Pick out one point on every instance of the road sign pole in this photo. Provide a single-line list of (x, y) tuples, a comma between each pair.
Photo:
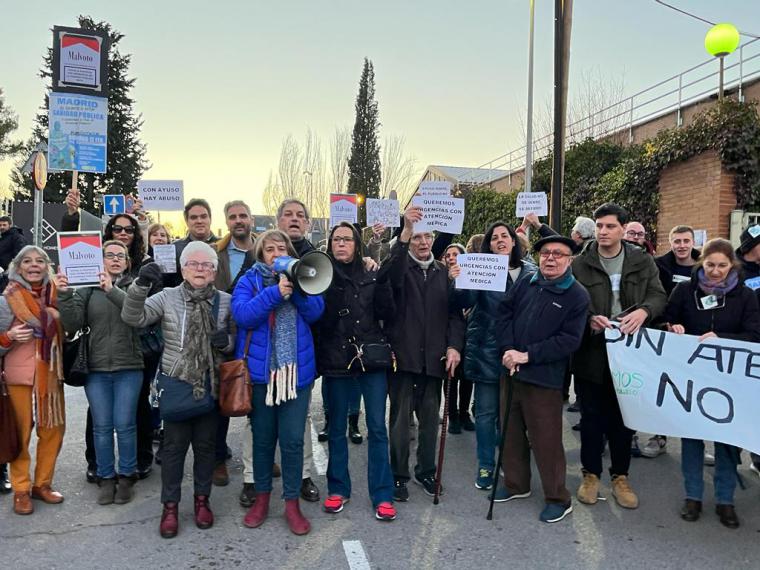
[(39, 175)]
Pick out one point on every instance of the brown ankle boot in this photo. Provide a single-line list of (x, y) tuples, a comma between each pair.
[(22, 503)]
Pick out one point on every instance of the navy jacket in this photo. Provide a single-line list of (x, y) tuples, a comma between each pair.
[(547, 322)]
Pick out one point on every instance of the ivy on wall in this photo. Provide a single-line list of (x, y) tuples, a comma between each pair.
[(602, 171)]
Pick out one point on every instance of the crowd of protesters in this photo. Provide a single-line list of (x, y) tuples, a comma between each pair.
[(387, 331)]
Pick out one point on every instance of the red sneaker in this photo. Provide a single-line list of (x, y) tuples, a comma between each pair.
[(296, 521), (385, 512), (169, 521), (334, 503), (204, 518), (258, 512)]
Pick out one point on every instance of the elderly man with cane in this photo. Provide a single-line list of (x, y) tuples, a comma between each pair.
[(541, 323)]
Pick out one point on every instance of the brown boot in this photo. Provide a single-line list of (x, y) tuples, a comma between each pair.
[(623, 493), (221, 477), (47, 495), (588, 492), (22, 503)]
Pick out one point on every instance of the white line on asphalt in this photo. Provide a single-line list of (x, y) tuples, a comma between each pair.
[(357, 558), (320, 457)]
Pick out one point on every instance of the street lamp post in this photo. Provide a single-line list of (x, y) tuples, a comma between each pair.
[(720, 41)]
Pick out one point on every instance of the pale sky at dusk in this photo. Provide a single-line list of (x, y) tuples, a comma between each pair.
[(221, 84)]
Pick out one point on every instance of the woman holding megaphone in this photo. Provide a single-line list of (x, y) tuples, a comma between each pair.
[(351, 346), (281, 366)]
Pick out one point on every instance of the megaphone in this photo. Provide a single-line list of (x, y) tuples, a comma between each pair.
[(312, 273)]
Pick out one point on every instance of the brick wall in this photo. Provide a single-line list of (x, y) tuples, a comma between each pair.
[(698, 193)]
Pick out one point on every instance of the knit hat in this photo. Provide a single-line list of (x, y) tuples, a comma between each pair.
[(749, 238)]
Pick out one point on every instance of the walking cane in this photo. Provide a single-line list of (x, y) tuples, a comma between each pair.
[(442, 444), (510, 387)]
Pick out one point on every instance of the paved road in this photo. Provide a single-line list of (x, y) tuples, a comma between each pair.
[(454, 534)]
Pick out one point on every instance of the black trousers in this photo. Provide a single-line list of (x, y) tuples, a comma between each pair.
[(200, 432), (222, 427), (600, 416), (460, 395)]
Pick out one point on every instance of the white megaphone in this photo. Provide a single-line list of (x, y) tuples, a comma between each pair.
[(312, 273)]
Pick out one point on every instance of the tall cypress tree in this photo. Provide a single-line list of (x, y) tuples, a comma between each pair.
[(126, 160), (364, 162)]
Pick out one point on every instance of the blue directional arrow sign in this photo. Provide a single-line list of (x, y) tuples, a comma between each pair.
[(114, 204)]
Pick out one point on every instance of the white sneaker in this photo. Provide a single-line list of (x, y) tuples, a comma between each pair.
[(656, 445)]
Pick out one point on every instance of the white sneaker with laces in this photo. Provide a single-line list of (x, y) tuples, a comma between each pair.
[(657, 445)]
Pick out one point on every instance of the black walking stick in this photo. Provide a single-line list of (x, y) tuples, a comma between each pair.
[(442, 445), (510, 387)]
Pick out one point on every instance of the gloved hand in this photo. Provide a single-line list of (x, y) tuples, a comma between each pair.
[(220, 339), (150, 274)]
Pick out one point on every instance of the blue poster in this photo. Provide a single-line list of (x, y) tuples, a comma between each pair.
[(78, 132)]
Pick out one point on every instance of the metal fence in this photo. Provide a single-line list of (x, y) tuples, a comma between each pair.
[(669, 96)]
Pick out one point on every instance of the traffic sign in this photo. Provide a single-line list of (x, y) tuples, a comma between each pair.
[(114, 204)]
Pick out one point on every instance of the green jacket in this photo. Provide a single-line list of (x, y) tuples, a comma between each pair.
[(639, 285), (114, 345)]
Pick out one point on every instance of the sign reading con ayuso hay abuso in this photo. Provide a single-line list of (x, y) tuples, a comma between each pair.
[(673, 384), (78, 132), (483, 271), (161, 194), (440, 213)]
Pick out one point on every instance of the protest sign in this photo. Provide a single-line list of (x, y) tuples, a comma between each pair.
[(483, 271), (161, 194), (385, 212), (78, 132), (534, 202), (673, 384), (700, 238), (166, 257), (80, 257), (342, 209), (432, 188), (80, 61), (444, 214)]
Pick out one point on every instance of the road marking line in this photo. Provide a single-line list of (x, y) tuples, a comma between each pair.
[(320, 457), (357, 558)]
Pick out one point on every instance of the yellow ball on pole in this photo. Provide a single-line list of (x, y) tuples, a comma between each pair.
[(722, 39)]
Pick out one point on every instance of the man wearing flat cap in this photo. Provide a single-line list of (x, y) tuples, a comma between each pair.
[(541, 323)]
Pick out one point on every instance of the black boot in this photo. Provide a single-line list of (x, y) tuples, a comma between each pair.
[(5, 484), (322, 435), (353, 429)]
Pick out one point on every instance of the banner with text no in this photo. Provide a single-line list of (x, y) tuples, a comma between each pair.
[(674, 385)]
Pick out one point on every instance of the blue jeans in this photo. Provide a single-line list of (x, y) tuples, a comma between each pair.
[(284, 423), (486, 423), (113, 404), (340, 392), (724, 477), (354, 396)]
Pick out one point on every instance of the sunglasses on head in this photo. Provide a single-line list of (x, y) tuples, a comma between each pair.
[(123, 229)]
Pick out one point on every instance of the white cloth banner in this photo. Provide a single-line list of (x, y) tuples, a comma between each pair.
[(673, 384), (483, 271), (440, 213)]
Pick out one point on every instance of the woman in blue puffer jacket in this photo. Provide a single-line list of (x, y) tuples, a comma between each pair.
[(274, 319), (482, 361)]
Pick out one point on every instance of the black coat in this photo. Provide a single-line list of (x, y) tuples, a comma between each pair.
[(11, 242), (355, 304), (666, 264), (424, 325), (546, 321), (739, 319)]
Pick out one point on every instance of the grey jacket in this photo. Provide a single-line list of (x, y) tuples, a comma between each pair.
[(114, 345), (170, 306)]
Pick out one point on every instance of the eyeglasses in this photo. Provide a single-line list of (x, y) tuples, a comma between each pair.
[(202, 265), (341, 239), (119, 256), (123, 229), (546, 254), (636, 234)]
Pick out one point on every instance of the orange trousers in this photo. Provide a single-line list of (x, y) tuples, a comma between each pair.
[(49, 441)]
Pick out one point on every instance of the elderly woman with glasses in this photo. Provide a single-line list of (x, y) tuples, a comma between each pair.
[(195, 320), (115, 364)]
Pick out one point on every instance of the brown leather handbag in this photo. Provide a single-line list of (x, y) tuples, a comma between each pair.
[(10, 445), (235, 390)]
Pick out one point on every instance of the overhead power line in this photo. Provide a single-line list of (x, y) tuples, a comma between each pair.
[(690, 15)]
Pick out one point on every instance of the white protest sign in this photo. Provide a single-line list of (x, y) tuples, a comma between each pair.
[(700, 238), (385, 212), (673, 384), (161, 194), (444, 214), (483, 271), (343, 209), (528, 202), (166, 257), (80, 257), (431, 188)]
